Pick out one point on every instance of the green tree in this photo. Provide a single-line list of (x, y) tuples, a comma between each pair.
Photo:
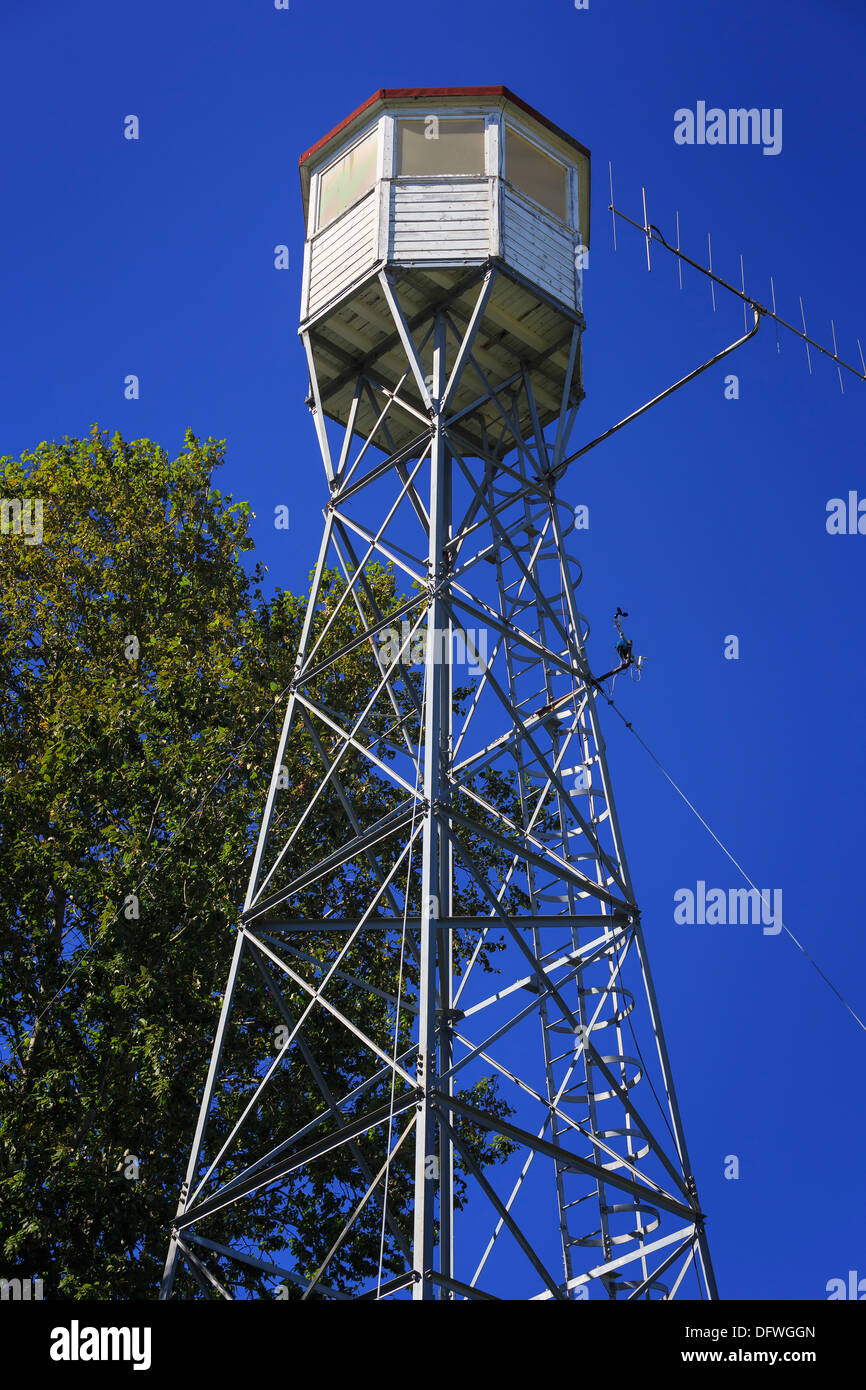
[(141, 673)]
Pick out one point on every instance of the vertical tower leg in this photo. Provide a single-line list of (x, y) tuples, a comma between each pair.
[(426, 1146)]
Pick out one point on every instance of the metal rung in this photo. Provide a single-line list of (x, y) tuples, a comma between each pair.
[(577, 1201)]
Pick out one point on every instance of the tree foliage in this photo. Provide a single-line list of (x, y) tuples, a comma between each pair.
[(141, 690)]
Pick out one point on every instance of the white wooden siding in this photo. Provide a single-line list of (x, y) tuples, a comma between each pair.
[(433, 221), (342, 252), (538, 247), (436, 221)]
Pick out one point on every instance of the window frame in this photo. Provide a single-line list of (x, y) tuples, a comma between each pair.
[(572, 210), (373, 129), (472, 114), (496, 124)]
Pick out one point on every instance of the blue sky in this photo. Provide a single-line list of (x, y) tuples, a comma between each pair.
[(706, 519)]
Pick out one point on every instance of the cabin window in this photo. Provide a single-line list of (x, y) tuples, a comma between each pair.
[(440, 146), (350, 176), (534, 172)]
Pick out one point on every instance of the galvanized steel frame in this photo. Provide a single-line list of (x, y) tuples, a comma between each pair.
[(540, 634)]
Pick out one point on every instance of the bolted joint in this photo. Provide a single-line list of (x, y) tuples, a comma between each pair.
[(450, 1015)]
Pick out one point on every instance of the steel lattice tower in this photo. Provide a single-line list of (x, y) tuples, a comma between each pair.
[(515, 1045)]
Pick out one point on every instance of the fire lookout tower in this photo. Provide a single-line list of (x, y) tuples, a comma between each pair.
[(495, 1112)]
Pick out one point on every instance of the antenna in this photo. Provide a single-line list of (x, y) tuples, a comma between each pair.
[(712, 286), (808, 353), (836, 355), (652, 233), (612, 217), (743, 283)]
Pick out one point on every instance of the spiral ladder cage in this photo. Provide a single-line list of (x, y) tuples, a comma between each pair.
[(537, 563)]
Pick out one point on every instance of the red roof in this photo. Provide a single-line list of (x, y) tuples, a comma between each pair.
[(416, 93)]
